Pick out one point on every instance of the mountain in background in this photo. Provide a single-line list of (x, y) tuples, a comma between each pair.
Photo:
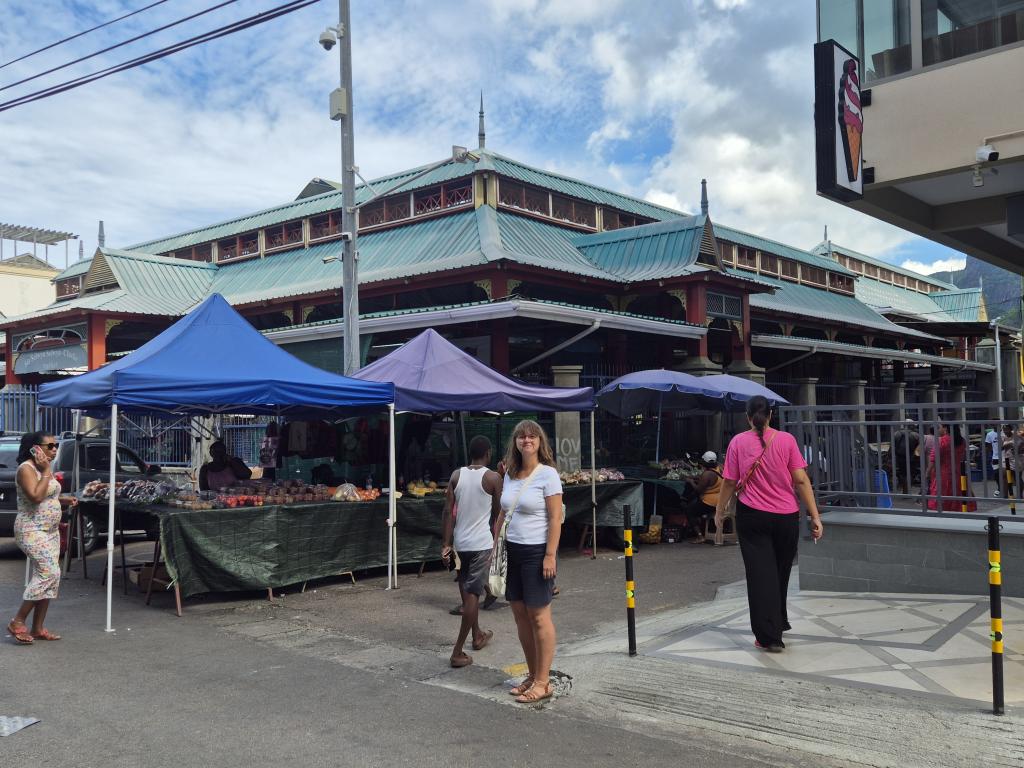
[(1002, 288)]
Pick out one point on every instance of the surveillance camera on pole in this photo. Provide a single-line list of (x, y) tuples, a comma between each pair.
[(327, 39)]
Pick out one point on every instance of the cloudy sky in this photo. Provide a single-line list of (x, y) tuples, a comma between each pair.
[(643, 96)]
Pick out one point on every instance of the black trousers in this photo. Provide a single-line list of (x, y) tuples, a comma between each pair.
[(768, 543)]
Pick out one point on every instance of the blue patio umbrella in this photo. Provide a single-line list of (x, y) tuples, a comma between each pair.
[(660, 390), (738, 391)]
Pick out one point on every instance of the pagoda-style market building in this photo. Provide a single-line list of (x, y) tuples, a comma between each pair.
[(529, 270)]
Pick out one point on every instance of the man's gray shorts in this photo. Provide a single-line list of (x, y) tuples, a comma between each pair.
[(473, 574)]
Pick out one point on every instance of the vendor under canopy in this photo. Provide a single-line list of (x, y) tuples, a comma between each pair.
[(222, 471)]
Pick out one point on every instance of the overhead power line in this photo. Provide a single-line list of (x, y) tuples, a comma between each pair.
[(80, 34), (130, 40), (206, 37)]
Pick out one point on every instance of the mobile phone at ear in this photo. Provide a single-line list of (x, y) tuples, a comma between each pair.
[(36, 452)]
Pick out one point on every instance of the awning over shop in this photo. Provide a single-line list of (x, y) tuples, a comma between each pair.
[(773, 341), (472, 313)]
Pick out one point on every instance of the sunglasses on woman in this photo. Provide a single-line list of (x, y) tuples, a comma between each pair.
[(51, 446)]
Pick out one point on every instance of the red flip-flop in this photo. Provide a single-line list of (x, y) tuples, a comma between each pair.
[(20, 632)]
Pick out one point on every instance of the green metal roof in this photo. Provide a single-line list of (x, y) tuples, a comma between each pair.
[(80, 267), (779, 249), (444, 307), (882, 296), (649, 252), (331, 200), (535, 243), (965, 305), (805, 301), (296, 209), (574, 188), (822, 249), (431, 245)]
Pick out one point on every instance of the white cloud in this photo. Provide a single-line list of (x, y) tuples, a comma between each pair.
[(941, 265), (645, 97)]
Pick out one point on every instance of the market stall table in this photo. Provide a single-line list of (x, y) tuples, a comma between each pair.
[(272, 546)]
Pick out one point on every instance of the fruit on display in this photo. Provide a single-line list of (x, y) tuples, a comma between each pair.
[(418, 489), (582, 476)]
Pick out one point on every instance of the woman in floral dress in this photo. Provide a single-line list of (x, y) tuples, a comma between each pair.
[(37, 534)]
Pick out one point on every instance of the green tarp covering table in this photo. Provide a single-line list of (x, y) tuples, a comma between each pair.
[(255, 548)]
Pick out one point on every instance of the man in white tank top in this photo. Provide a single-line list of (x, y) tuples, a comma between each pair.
[(475, 493)]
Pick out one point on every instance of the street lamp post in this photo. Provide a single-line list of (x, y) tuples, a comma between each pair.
[(341, 110)]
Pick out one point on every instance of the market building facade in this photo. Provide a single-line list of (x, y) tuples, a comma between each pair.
[(531, 271)]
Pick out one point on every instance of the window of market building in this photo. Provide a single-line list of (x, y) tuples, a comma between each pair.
[(324, 226), (240, 247), (281, 236), (769, 264), (725, 250), (840, 283), (69, 288), (790, 270), (746, 258), (812, 275)]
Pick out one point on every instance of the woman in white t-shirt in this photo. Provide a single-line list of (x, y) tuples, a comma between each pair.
[(532, 496)]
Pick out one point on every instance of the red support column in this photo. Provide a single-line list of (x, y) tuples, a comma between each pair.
[(97, 341), (9, 377), (697, 312), (500, 360)]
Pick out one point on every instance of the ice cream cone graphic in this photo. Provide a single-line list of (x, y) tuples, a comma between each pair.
[(851, 122)]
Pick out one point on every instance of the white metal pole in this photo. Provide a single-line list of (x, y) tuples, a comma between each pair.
[(593, 488), (110, 512), (392, 503)]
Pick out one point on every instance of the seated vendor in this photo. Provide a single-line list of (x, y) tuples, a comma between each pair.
[(706, 489), (222, 471)]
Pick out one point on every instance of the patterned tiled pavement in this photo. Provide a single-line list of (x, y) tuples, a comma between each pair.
[(930, 644)]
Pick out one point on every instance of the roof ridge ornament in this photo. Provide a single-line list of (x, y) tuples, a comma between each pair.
[(704, 196), (481, 133)]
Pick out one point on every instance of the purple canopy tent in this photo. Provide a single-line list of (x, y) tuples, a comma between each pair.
[(432, 375)]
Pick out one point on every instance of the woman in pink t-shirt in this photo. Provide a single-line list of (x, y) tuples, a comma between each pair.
[(768, 469)]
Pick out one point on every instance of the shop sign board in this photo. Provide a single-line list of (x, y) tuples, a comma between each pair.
[(838, 122), (51, 359)]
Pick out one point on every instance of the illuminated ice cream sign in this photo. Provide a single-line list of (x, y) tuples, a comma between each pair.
[(838, 122)]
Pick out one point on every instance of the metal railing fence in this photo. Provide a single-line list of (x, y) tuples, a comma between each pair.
[(918, 458)]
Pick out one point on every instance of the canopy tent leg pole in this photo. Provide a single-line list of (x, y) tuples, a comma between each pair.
[(657, 451), (111, 501), (465, 441), (593, 488), (392, 504)]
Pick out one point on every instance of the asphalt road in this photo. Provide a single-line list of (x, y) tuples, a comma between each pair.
[(194, 691)]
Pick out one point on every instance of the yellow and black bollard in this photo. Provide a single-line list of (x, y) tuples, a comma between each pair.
[(995, 595), (627, 537), (963, 492)]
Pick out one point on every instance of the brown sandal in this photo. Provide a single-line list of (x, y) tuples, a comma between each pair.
[(535, 694), (45, 634), (20, 632), (522, 688)]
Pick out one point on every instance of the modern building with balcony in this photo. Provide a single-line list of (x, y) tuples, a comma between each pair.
[(942, 109)]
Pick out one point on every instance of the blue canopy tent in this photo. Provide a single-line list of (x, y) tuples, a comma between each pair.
[(659, 389), (212, 361), (433, 375), (738, 391)]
